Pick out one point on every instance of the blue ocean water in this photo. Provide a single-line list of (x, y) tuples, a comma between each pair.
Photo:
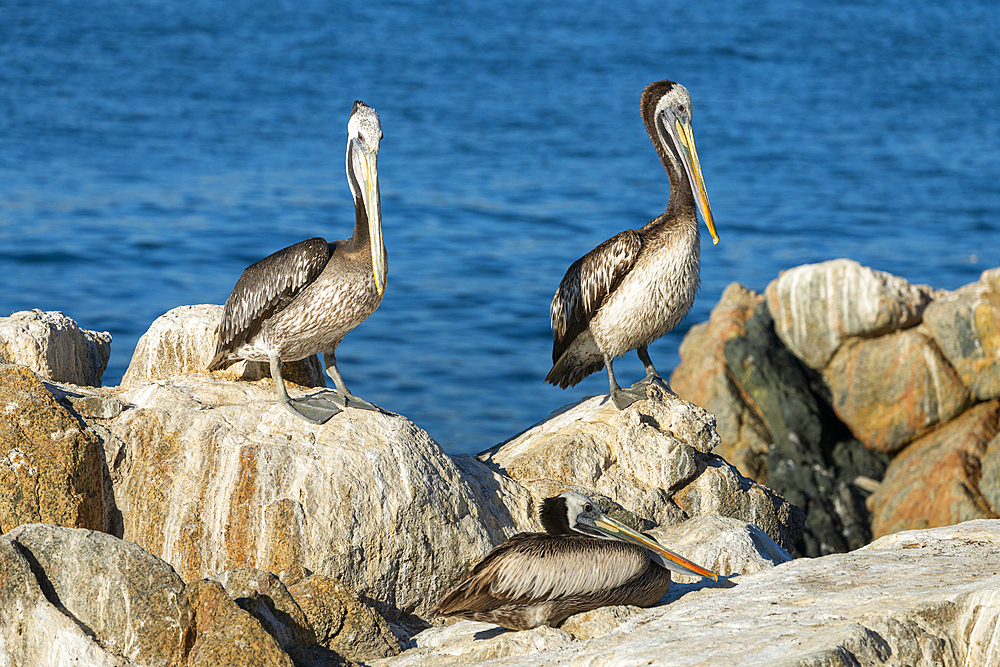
[(151, 150)]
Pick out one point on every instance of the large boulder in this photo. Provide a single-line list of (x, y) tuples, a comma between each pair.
[(654, 458), (818, 306), (892, 389), (936, 481), (131, 603), (55, 347), (183, 340), (928, 598), (51, 465), (211, 474)]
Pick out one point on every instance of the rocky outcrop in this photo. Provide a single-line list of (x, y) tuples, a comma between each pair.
[(54, 347), (836, 370), (653, 458), (885, 604)]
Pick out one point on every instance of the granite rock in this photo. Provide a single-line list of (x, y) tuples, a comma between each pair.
[(817, 306), (891, 389), (51, 465), (989, 481), (965, 324), (936, 480), (54, 347), (654, 458)]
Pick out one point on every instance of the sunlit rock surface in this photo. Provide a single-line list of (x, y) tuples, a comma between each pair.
[(54, 346)]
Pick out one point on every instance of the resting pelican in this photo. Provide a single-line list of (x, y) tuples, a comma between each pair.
[(304, 299), (638, 285), (583, 560)]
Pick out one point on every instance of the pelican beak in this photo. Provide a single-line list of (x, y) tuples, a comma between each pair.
[(689, 156), (678, 564), (366, 168)]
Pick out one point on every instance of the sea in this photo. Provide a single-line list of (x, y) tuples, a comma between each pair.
[(150, 150)]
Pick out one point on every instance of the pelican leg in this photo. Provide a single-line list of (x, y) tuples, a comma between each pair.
[(342, 395), (311, 408), (651, 374), (622, 397)]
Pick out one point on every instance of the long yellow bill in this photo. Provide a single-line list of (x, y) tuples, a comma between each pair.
[(366, 165), (693, 168), (675, 562)]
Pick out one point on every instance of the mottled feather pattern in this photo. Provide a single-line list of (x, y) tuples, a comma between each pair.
[(587, 283), (265, 288)]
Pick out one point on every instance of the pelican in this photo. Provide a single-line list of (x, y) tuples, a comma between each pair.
[(583, 560), (304, 299), (638, 285)]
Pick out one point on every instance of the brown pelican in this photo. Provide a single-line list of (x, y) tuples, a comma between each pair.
[(583, 560), (304, 299), (638, 285)]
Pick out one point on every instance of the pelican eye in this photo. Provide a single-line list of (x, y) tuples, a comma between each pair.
[(588, 508)]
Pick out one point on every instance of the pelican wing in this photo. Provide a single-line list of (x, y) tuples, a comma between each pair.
[(264, 289), (586, 284), (530, 567)]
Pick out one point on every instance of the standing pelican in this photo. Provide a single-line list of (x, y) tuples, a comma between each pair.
[(638, 285), (304, 299), (583, 560)]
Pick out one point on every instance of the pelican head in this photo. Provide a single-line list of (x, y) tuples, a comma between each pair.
[(672, 116), (364, 132), (573, 512)]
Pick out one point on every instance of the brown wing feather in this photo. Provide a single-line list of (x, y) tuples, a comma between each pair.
[(534, 566), (264, 289), (586, 284)]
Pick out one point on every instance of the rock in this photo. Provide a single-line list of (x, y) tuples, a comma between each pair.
[(132, 603), (885, 604), (470, 642), (182, 341), (54, 346), (599, 622), (989, 482), (965, 324), (51, 466), (226, 635), (936, 480), (33, 630), (341, 622), (703, 378), (653, 458), (891, 389), (725, 546), (817, 306), (211, 474), (260, 594)]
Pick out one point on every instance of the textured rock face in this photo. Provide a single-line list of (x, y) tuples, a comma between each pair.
[(131, 602), (183, 340), (817, 306), (653, 458), (211, 475), (51, 466), (965, 324), (891, 389), (341, 622), (885, 604), (55, 347), (936, 481)]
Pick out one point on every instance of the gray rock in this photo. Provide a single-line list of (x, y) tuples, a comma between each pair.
[(924, 598), (182, 341), (55, 347), (652, 458), (965, 324), (989, 481), (33, 630), (817, 306), (132, 603)]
